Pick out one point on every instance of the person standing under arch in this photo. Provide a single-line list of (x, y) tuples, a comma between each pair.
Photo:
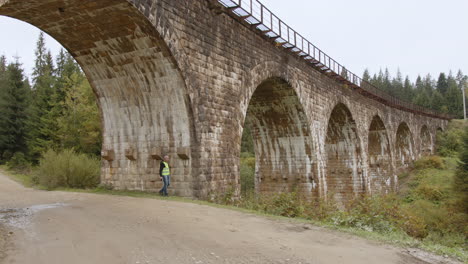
[(165, 174)]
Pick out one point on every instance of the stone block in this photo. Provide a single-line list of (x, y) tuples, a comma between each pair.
[(183, 153), (108, 154), (131, 154), (157, 153)]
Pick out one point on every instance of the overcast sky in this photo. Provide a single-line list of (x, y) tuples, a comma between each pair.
[(416, 36)]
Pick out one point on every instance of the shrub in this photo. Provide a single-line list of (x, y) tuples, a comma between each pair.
[(244, 155), (7, 155), (436, 217), (247, 172), (372, 213), (450, 142), (413, 225), (67, 169), (321, 209), (430, 192), (247, 178), (285, 204), (18, 162), (460, 183), (429, 162)]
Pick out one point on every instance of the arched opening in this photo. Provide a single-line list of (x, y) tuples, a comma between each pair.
[(281, 138), (426, 141), (140, 90), (344, 172), (404, 146), (380, 158)]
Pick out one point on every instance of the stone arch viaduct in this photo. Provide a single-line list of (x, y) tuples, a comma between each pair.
[(181, 77)]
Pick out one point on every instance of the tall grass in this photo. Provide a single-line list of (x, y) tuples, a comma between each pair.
[(66, 168)]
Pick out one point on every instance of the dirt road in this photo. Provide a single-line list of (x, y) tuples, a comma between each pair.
[(62, 227)]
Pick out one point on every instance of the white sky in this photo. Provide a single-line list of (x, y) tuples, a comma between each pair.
[(417, 36)]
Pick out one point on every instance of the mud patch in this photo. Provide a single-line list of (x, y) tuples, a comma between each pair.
[(21, 217)]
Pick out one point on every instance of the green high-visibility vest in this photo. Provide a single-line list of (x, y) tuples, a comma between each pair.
[(166, 170)]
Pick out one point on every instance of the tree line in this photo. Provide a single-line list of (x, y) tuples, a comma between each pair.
[(443, 95), (56, 110)]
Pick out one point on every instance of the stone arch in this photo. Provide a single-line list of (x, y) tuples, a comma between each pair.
[(404, 146), (379, 157), (344, 174), (425, 141), (282, 138), (132, 70), (256, 76)]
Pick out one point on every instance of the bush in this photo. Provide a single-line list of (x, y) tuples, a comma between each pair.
[(67, 169), (460, 183), (18, 162), (244, 155), (429, 162), (247, 172), (371, 213), (429, 192), (413, 225), (247, 178), (450, 142), (284, 204), (321, 208), (7, 155)]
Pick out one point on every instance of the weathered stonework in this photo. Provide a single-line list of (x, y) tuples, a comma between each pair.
[(180, 77)]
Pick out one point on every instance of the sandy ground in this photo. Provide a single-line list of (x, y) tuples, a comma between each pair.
[(63, 227)]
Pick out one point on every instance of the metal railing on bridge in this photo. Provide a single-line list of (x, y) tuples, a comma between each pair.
[(260, 17)]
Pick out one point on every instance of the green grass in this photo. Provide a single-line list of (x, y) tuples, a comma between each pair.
[(22, 178)]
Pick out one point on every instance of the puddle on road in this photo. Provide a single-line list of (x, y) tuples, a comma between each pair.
[(21, 217)]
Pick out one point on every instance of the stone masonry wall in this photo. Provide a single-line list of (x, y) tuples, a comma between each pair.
[(177, 77)]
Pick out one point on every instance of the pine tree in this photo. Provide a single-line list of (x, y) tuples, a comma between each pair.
[(423, 99), (437, 103), (3, 64), (442, 84), (408, 90), (80, 124), (66, 67), (41, 124), (366, 75), (453, 96), (3, 91), (13, 106), (397, 86)]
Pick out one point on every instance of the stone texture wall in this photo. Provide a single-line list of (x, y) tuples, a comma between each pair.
[(282, 138), (177, 77), (380, 167)]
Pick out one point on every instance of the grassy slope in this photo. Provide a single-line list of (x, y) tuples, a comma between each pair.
[(428, 194)]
